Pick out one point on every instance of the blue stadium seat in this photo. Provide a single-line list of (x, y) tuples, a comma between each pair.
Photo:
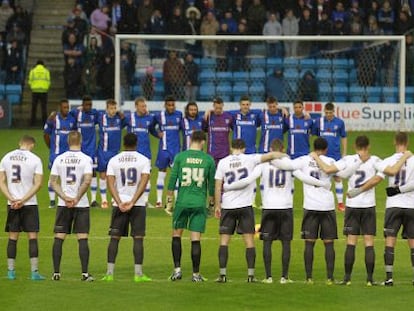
[(224, 88), (373, 94), (135, 91), (323, 63), (224, 76), (241, 76), (257, 75), (290, 63), (324, 75), (208, 63), (409, 94), (207, 75), (207, 91), (14, 93), (258, 63), (340, 93), (307, 64), (274, 62), (291, 74), (357, 94), (239, 89), (390, 94), (257, 97), (340, 76), (340, 63)]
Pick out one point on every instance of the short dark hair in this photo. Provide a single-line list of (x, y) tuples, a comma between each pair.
[(198, 136), (169, 98), (110, 102), (320, 144), (238, 144), (329, 106), (27, 139), (362, 142), (130, 140), (271, 100), (40, 62), (244, 97), (86, 98), (298, 101), (277, 144), (401, 138), (63, 101), (218, 100)]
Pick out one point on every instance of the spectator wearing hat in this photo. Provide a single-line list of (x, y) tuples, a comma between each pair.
[(308, 88), (277, 86), (193, 22)]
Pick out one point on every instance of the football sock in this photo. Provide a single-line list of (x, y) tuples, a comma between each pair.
[(147, 191), (11, 253), (330, 259), (251, 257), (102, 187), (369, 261), (112, 250), (339, 189), (223, 256), (160, 185), (389, 261), (285, 258), (176, 251), (52, 194), (138, 269), (349, 261), (57, 254), (138, 249), (34, 254), (84, 254), (267, 257), (94, 188), (308, 258), (196, 255)]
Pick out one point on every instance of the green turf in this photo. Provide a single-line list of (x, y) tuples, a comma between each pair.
[(123, 294)]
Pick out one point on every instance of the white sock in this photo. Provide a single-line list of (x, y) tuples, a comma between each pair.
[(160, 185), (339, 189), (94, 188), (102, 187)]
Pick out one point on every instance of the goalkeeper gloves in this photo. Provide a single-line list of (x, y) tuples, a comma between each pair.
[(169, 206), (391, 191)]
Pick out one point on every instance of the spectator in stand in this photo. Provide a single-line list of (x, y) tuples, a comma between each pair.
[(339, 28), (373, 9), (148, 83), (145, 9), (339, 13), (290, 27), (173, 73), (21, 18), (72, 76), (324, 25), (307, 27), (14, 63), (6, 11), (129, 21), (404, 23), (156, 26), (238, 51), (74, 49), (191, 78), (193, 23), (273, 28), (128, 61), (105, 80), (16, 33), (308, 89), (176, 25), (409, 59), (78, 11), (100, 19), (239, 10), (81, 24), (116, 15), (209, 26), (228, 19), (3, 54), (372, 27), (355, 12), (277, 86), (93, 34), (93, 59), (256, 17), (222, 49), (319, 8), (386, 18), (68, 29)]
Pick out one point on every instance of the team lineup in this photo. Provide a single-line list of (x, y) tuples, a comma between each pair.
[(221, 181)]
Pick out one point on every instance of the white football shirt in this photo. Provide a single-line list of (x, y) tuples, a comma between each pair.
[(365, 172), (232, 168), (70, 166), (127, 168), (404, 176), (20, 166)]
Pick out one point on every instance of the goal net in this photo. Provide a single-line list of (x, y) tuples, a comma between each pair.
[(341, 69)]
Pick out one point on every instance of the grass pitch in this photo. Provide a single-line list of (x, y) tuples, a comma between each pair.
[(123, 294)]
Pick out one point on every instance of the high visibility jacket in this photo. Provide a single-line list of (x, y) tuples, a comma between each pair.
[(39, 79)]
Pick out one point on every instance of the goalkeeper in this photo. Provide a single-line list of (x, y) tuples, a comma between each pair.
[(194, 171)]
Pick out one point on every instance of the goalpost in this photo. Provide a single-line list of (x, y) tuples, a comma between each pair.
[(363, 75)]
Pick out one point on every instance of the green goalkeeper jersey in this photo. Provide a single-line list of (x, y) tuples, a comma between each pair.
[(194, 170)]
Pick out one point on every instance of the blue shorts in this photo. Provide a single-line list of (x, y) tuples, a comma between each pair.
[(103, 159), (164, 159)]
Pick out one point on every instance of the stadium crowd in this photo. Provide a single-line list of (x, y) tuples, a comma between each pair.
[(88, 46)]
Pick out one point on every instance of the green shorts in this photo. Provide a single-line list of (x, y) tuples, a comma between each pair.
[(191, 218)]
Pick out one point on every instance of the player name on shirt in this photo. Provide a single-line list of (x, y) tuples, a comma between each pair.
[(70, 160), (194, 161), (127, 158), (18, 157), (235, 164)]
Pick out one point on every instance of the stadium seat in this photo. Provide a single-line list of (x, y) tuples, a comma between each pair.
[(135, 91), (207, 75), (340, 76), (290, 63), (258, 63), (357, 94), (224, 88), (272, 63), (324, 75), (14, 93), (390, 94), (208, 63), (257, 75), (340, 93), (409, 94), (2, 91), (224, 76), (239, 89), (241, 76), (307, 64), (207, 91), (323, 63), (373, 94), (291, 74), (340, 63)]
